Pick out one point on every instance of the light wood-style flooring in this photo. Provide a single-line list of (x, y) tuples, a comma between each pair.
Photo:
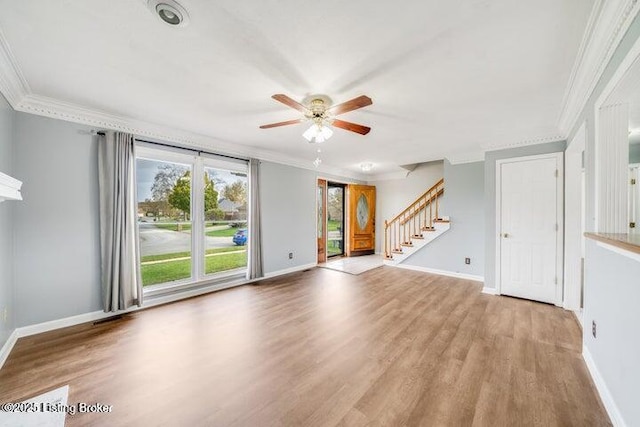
[(389, 347)]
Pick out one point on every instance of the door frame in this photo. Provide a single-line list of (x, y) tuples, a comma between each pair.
[(575, 219), (344, 187), (346, 213), (324, 218), (559, 157)]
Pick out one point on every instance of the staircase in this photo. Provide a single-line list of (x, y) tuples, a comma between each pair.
[(415, 227)]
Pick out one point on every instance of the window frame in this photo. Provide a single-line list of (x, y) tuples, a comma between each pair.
[(197, 162)]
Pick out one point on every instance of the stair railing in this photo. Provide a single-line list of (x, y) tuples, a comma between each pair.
[(411, 222)]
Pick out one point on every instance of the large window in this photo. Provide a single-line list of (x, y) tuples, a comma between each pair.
[(192, 217)]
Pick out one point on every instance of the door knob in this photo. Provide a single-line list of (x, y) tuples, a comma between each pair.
[(505, 235)]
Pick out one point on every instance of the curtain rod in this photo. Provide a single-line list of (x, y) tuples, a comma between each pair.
[(183, 148)]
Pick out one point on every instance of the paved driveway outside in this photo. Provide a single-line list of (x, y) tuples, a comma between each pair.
[(156, 241)]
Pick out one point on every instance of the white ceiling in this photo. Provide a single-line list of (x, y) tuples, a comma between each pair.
[(447, 78)]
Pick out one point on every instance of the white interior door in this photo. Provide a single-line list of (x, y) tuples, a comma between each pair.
[(530, 227)]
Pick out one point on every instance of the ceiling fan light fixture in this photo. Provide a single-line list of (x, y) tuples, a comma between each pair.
[(326, 132), (310, 133), (170, 12), (319, 110), (317, 133)]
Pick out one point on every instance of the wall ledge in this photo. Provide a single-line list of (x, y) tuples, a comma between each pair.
[(621, 243)]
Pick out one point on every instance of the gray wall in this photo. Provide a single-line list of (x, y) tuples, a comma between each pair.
[(57, 254), (490, 197), (634, 153), (463, 201), (288, 208), (611, 298), (394, 195), (7, 119), (287, 200)]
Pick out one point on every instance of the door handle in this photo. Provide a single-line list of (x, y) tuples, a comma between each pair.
[(505, 235)]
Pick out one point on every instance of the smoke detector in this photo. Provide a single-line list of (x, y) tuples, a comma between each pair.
[(169, 11)]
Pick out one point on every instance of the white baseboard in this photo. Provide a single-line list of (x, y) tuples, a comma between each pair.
[(603, 390), (287, 271), (579, 316), (7, 347), (39, 328), (489, 291), (440, 272)]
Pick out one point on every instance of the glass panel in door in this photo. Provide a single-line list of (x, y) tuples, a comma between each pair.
[(335, 220)]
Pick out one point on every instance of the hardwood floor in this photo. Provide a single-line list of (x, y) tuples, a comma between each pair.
[(322, 348)]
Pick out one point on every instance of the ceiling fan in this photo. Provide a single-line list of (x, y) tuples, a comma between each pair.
[(322, 114)]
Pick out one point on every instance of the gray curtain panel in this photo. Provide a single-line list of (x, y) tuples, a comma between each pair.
[(121, 281), (255, 227)]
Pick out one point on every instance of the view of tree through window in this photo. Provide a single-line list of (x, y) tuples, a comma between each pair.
[(165, 220)]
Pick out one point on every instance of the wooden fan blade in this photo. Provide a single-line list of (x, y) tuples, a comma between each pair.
[(353, 127), (274, 125), (291, 103), (354, 104)]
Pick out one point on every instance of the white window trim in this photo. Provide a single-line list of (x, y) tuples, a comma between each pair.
[(196, 161)]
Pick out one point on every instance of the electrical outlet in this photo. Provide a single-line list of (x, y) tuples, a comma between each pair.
[(290, 255), (593, 328), (467, 260)]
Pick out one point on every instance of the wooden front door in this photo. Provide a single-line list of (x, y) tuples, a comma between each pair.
[(321, 209), (362, 219)]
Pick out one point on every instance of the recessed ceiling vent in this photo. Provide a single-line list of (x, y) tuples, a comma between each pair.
[(169, 12)]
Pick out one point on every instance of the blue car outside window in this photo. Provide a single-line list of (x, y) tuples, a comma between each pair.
[(240, 237)]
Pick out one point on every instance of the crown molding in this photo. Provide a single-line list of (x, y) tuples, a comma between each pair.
[(61, 110), (524, 143), (13, 84), (608, 23)]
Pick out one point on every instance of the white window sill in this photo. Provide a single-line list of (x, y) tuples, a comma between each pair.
[(222, 280)]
